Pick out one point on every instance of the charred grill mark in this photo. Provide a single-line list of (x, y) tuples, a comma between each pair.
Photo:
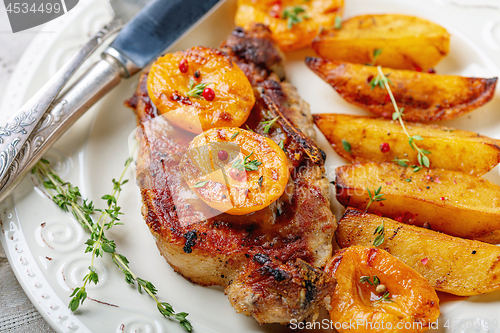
[(495, 264), (310, 293), (178, 98), (254, 49), (275, 91), (278, 274), (396, 232), (225, 116), (151, 218), (191, 237), (312, 280)]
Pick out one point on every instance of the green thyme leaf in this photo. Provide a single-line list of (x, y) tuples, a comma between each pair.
[(425, 161), (417, 137), (246, 164), (338, 23), (378, 240), (197, 90), (291, 14), (346, 145), (380, 232), (268, 124), (376, 196), (376, 54), (365, 279), (281, 144), (385, 298), (401, 162), (200, 183)]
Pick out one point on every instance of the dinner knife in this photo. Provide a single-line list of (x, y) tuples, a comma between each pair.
[(159, 24), (16, 131)]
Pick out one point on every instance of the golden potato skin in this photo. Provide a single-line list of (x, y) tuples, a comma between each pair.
[(453, 265), (407, 42), (225, 188), (322, 13), (478, 154), (414, 300), (424, 96), (168, 88), (449, 201)]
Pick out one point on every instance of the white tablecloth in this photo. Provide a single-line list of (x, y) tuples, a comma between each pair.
[(17, 313)]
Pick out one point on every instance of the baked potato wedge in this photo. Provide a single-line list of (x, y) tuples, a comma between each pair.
[(362, 271), (293, 23), (424, 96), (406, 42), (380, 140), (450, 264), (452, 202)]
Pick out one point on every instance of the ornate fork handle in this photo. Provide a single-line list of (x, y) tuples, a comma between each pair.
[(94, 84), (16, 131)]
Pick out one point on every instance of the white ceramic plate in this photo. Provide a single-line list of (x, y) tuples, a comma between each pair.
[(45, 246)]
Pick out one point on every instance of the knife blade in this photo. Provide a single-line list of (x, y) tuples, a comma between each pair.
[(142, 40), (151, 28)]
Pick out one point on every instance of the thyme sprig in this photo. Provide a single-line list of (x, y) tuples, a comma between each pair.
[(196, 90), (380, 81), (376, 196), (246, 164), (367, 279), (163, 307), (269, 124), (386, 297), (380, 232), (98, 243), (422, 159), (292, 15), (68, 198)]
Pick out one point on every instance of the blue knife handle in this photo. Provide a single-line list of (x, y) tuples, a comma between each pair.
[(157, 26)]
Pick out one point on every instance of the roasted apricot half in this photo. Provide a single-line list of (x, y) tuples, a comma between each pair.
[(379, 293), (200, 88), (234, 170), (293, 23)]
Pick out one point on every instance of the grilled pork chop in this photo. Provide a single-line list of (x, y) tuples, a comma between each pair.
[(268, 261)]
